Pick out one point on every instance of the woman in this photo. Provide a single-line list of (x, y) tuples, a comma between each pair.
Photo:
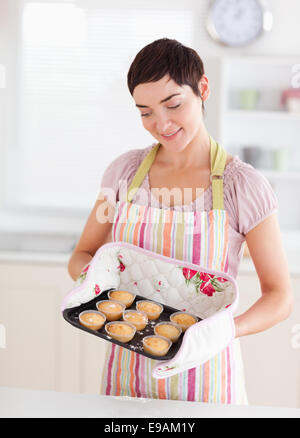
[(168, 85)]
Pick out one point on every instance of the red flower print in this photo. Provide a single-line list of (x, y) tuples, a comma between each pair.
[(221, 279), (86, 269), (158, 284), (205, 277), (208, 289), (121, 267), (219, 283), (188, 273), (97, 289)]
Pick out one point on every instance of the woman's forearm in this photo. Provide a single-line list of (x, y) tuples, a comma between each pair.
[(271, 308), (77, 262)]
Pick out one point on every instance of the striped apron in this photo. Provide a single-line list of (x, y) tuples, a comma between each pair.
[(199, 237)]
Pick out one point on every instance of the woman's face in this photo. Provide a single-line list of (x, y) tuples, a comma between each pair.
[(171, 113)]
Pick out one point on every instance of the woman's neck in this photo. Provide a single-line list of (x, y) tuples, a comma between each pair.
[(195, 155)]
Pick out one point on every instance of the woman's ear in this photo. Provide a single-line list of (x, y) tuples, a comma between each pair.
[(204, 87)]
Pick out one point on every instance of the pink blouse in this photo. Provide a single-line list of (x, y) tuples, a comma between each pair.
[(248, 197)]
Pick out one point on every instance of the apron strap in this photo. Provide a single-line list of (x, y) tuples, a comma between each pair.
[(142, 172), (217, 165)]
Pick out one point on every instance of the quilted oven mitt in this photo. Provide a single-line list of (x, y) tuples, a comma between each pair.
[(201, 342), (211, 295), (100, 274)]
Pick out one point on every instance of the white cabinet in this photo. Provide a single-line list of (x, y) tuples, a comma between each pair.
[(262, 120), (271, 358), (246, 115), (44, 352)]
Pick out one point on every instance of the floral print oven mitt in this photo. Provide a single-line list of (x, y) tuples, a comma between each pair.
[(208, 294)]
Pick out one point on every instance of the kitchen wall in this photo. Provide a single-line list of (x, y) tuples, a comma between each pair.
[(282, 41)]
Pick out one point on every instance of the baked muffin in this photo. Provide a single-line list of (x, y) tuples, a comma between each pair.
[(183, 319), (122, 296), (121, 331), (137, 318), (156, 345), (113, 310), (152, 309), (92, 319), (168, 330)]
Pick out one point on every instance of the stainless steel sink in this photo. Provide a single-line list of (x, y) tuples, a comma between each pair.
[(38, 242)]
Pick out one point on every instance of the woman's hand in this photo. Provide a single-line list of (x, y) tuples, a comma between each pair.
[(269, 258)]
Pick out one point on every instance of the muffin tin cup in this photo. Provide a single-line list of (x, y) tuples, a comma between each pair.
[(152, 350), (139, 325), (183, 326), (173, 324), (127, 303), (136, 344), (91, 326), (119, 337), (152, 316), (111, 316)]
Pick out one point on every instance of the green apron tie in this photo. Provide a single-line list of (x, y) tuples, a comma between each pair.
[(142, 172), (217, 166)]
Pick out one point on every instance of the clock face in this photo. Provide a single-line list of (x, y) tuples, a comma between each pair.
[(236, 22)]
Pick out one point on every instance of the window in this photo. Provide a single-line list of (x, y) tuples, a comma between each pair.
[(73, 111)]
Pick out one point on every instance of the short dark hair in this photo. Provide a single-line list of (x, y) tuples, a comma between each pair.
[(166, 57)]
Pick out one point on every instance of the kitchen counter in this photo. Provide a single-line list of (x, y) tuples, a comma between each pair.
[(43, 258), (21, 403)]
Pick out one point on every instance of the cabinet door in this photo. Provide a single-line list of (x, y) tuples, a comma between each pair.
[(79, 350), (29, 302), (42, 350), (271, 358)]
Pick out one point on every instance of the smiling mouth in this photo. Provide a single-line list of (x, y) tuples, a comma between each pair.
[(172, 134)]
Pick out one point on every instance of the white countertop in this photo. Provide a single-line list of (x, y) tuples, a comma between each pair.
[(35, 257), (21, 403)]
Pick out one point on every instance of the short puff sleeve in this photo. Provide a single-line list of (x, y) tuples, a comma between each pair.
[(250, 197), (118, 174)]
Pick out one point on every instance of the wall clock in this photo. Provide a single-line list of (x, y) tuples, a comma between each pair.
[(237, 23)]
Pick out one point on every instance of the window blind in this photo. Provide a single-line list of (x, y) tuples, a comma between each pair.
[(75, 113)]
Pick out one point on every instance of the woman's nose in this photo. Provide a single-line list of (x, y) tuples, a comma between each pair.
[(163, 124)]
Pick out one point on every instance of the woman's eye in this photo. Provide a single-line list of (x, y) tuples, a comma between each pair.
[(169, 107), (173, 107)]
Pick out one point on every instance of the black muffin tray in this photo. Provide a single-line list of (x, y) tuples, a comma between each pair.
[(136, 344)]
